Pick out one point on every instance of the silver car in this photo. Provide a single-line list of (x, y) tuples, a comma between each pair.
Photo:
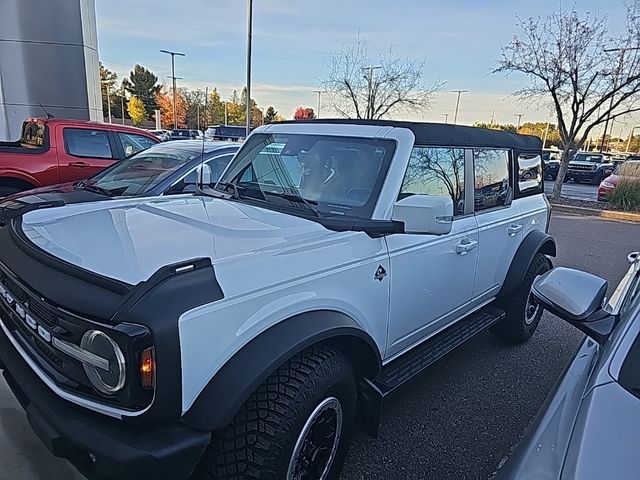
[(590, 427)]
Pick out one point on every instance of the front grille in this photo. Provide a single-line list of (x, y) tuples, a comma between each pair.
[(17, 292), (42, 313), (582, 168)]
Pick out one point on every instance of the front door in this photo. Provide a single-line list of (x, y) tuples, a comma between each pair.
[(432, 277), (86, 152)]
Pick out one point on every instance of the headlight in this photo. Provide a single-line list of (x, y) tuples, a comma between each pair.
[(606, 184), (105, 381)]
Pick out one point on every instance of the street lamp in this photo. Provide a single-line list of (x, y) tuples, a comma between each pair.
[(319, 92), (446, 117), (519, 115), (108, 84), (370, 84), (455, 115), (173, 77)]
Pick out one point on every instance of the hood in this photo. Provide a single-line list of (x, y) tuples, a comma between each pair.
[(130, 239)]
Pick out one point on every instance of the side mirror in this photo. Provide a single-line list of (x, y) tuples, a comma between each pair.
[(578, 298), (424, 214)]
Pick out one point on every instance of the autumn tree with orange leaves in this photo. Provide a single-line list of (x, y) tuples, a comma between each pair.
[(164, 101)]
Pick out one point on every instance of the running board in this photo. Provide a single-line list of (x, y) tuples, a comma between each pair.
[(399, 371)]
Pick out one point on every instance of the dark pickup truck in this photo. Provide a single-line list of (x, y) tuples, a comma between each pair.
[(590, 167), (52, 151)]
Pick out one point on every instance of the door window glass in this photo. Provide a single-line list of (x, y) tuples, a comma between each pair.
[(84, 142), (209, 175), (436, 171), (491, 182), (132, 143), (529, 174)]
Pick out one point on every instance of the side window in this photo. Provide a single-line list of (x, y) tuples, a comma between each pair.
[(84, 142), (211, 173), (132, 143), (436, 171), (529, 174), (491, 183)]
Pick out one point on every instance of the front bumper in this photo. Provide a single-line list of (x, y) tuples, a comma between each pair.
[(100, 447), (582, 174)]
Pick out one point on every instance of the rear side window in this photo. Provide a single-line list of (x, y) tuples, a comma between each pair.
[(85, 142), (132, 143), (492, 187), (33, 135), (529, 174), (436, 171)]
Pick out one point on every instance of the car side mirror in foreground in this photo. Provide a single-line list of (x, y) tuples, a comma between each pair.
[(424, 214), (578, 298)]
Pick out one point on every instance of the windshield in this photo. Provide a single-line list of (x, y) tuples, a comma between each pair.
[(629, 169), (585, 157), (141, 172), (326, 174)]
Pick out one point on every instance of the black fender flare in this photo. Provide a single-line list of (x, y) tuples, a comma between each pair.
[(535, 242), (241, 375)]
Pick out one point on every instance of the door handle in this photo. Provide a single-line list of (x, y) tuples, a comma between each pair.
[(513, 229), (465, 246), (79, 164)]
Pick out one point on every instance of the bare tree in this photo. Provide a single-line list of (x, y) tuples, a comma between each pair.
[(585, 75), (358, 87)]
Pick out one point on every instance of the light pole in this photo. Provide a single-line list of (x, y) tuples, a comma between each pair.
[(455, 115), (108, 84), (446, 117), (173, 77), (546, 132), (631, 136), (519, 115), (319, 92), (122, 106), (370, 84), (249, 37)]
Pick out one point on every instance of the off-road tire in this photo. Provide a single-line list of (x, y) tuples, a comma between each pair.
[(260, 440), (597, 179), (515, 329)]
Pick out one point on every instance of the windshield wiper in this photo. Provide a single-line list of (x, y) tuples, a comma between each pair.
[(310, 204), (95, 188)]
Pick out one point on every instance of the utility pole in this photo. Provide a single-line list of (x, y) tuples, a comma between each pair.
[(122, 107), (108, 84), (369, 78), (249, 37), (198, 117), (630, 137), (446, 117), (493, 116), (519, 115), (173, 77), (319, 92), (226, 115), (546, 132), (455, 115)]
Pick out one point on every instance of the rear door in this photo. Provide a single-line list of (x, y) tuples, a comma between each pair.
[(500, 225), (85, 152), (132, 143)]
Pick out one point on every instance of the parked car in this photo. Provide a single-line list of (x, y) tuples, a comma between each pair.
[(589, 427), (551, 163), (163, 135), (226, 132), (56, 150), (243, 331), (168, 168), (592, 167), (185, 134), (629, 170)]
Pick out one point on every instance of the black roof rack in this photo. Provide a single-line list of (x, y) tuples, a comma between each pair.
[(446, 134)]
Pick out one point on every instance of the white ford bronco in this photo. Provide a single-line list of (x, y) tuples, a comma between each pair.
[(243, 332)]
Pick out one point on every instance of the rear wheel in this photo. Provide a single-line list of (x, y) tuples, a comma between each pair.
[(9, 186), (295, 426), (522, 311)]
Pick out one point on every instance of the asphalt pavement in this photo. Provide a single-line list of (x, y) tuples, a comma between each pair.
[(577, 191), (459, 419)]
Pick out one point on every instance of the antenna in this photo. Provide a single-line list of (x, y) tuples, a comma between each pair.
[(206, 97), (47, 114)]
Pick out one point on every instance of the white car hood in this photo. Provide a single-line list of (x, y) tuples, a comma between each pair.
[(128, 240)]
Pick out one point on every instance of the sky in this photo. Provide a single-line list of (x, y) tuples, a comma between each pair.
[(459, 41)]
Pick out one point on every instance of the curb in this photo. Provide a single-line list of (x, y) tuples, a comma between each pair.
[(594, 212)]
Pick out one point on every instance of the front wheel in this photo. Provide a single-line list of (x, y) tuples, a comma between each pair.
[(522, 311), (296, 426)]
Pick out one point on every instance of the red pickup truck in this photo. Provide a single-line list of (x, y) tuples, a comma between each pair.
[(56, 150)]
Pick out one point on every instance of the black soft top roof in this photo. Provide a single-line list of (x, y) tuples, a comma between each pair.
[(448, 135)]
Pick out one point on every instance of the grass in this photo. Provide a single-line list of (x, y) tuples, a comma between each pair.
[(626, 196)]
